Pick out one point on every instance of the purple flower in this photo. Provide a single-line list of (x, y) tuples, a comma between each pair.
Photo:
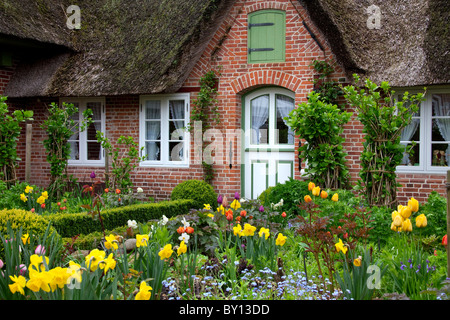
[(219, 199), (236, 195), (92, 174), (261, 209)]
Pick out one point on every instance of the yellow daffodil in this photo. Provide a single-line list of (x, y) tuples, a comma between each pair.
[(335, 197), (341, 247), (111, 242), (23, 197), (249, 230), (210, 215), (108, 263), (221, 209), (264, 231), (144, 292), (94, 258), (235, 204), (58, 277), (39, 281), (357, 262), (19, 283), (141, 240), (37, 262), (207, 206), (40, 200), (407, 225), (28, 189), (281, 240), (311, 186), (413, 205), (237, 230), (182, 248), (74, 272), (166, 252), (25, 238), (421, 221), (316, 191)]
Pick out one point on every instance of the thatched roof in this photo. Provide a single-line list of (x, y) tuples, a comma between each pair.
[(411, 46), (123, 47), (150, 46)]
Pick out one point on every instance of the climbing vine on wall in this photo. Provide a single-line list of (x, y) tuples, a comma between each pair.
[(205, 113)]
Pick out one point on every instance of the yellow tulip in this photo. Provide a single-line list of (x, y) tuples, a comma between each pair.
[(335, 197), (413, 204), (235, 204), (311, 186), (316, 191), (394, 227), (421, 221), (404, 211), (407, 225), (398, 220)]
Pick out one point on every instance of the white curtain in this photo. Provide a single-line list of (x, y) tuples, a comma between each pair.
[(406, 135), (284, 106), (97, 118), (259, 116), (176, 108), (152, 128), (441, 108)]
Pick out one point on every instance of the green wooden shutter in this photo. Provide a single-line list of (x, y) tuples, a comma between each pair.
[(266, 36)]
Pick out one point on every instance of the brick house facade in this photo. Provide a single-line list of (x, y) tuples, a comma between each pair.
[(226, 50)]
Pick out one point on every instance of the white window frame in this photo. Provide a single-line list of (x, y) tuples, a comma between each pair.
[(164, 160), (425, 147), (83, 161)]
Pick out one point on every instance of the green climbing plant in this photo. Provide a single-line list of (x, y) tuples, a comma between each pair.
[(383, 118)]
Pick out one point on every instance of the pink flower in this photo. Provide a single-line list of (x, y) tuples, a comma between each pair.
[(40, 250), (22, 269)]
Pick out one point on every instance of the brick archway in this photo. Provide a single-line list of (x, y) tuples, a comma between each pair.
[(254, 79)]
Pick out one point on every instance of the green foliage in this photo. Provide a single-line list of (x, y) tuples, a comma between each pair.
[(60, 126), (329, 90), (321, 125), (27, 222), (435, 209), (124, 156), (383, 118), (9, 134), (71, 224), (197, 190)]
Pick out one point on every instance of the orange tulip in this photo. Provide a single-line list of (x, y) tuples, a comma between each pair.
[(189, 230), (308, 198), (323, 194), (311, 186), (180, 230)]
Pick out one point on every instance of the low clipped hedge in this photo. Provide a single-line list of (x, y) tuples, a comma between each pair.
[(72, 224)]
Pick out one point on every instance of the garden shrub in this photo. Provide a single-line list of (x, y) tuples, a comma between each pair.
[(72, 224), (27, 221), (197, 190), (435, 209)]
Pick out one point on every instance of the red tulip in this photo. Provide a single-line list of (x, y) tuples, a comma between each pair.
[(180, 230), (444, 240), (189, 230), (283, 214), (243, 213)]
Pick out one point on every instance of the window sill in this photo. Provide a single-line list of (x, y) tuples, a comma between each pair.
[(165, 165)]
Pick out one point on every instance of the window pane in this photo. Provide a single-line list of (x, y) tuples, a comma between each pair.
[(96, 108), (152, 151), (176, 108), (413, 158), (152, 109), (74, 150), (441, 105), (440, 154), (284, 105), (412, 131), (176, 131), (260, 120), (93, 151), (176, 151), (91, 131), (152, 130)]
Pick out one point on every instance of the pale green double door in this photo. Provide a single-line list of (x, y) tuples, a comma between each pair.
[(268, 148)]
